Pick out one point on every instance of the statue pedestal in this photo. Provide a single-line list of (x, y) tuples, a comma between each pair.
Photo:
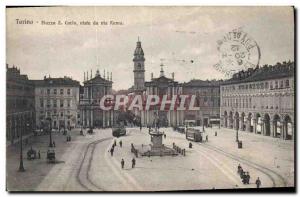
[(157, 147)]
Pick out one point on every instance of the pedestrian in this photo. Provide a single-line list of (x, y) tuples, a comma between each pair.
[(120, 143), (112, 151), (122, 163), (241, 173), (39, 154), (53, 144), (258, 182), (244, 178), (165, 135), (206, 138), (239, 169), (247, 178), (140, 127), (133, 163), (115, 143)]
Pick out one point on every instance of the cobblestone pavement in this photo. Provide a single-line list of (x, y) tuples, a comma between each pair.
[(87, 165)]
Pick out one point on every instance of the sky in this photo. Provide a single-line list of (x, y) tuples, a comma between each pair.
[(173, 34)]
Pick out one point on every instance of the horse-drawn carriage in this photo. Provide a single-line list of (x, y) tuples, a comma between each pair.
[(31, 154)]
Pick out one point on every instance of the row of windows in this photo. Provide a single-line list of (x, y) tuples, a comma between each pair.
[(237, 102), (54, 91), (54, 103), (277, 84), (55, 113)]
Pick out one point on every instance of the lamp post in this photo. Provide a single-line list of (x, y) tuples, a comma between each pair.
[(21, 167), (50, 134), (237, 134)]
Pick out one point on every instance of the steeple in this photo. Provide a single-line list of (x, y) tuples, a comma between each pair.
[(139, 67), (162, 71), (138, 53)]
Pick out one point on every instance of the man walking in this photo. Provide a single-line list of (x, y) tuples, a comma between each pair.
[(247, 178), (112, 151), (258, 182), (133, 163), (120, 143), (122, 163)]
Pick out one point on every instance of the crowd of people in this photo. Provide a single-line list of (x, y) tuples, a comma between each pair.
[(245, 176)]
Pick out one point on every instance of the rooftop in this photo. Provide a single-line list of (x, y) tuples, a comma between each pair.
[(266, 72)]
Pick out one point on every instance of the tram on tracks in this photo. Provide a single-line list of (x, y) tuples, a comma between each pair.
[(193, 134), (119, 131)]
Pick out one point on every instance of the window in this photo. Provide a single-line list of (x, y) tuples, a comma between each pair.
[(41, 102), (55, 91), (48, 103), (48, 91), (287, 83), (69, 103), (54, 103), (61, 91), (61, 103), (271, 85), (250, 103), (276, 84), (266, 85), (281, 84), (68, 91), (54, 112), (61, 114), (42, 91)]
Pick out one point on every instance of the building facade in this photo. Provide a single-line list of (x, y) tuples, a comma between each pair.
[(56, 102), (208, 99), (261, 101), (93, 90), (20, 112), (162, 86)]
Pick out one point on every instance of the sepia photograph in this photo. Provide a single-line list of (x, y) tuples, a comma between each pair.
[(150, 98)]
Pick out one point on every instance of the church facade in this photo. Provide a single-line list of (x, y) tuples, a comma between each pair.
[(207, 93), (94, 89)]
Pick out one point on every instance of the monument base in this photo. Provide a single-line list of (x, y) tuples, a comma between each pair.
[(163, 151), (157, 148)]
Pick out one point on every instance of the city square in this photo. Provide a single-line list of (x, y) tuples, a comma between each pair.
[(85, 161), (214, 110)]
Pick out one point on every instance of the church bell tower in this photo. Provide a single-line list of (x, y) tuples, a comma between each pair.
[(139, 67)]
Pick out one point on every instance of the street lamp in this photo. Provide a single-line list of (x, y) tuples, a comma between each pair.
[(50, 139), (21, 167), (237, 134)]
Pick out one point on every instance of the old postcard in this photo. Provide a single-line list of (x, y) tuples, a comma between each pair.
[(140, 99)]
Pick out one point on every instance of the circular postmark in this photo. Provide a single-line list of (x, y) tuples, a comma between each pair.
[(237, 51)]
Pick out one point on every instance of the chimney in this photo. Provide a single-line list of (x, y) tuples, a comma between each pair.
[(110, 76), (151, 76), (104, 74), (91, 73), (173, 74), (87, 75), (83, 76)]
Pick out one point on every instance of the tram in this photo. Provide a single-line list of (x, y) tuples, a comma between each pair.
[(194, 135), (119, 131)]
